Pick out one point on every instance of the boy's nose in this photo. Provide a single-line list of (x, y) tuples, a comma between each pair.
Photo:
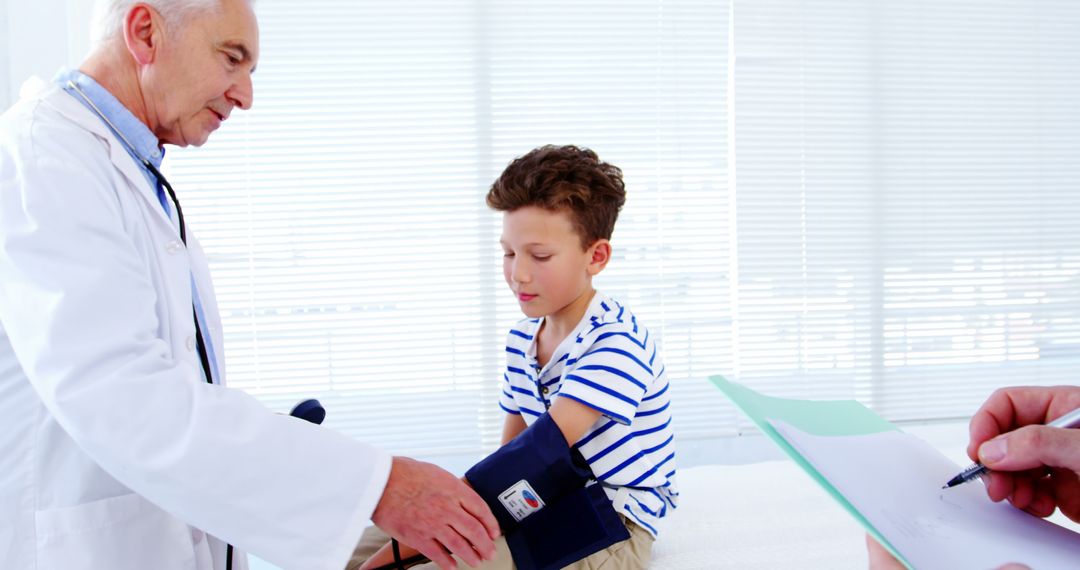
[(519, 272)]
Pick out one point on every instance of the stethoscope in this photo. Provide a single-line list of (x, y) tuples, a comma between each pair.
[(204, 359), (309, 410), (73, 88)]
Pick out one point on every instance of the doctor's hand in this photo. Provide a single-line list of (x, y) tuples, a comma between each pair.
[(437, 514), (1032, 465)]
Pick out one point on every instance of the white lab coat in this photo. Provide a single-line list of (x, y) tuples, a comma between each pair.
[(113, 452)]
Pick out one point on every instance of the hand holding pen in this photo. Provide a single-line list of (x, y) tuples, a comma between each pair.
[(1069, 420), (1031, 462)]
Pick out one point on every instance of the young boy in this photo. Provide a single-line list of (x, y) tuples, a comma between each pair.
[(581, 358)]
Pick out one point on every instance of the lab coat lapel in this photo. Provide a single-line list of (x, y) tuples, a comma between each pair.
[(76, 112)]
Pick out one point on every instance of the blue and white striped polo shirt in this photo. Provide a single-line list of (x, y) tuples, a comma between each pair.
[(612, 364)]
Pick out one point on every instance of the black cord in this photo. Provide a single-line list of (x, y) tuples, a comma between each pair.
[(400, 563), (172, 194), (201, 345)]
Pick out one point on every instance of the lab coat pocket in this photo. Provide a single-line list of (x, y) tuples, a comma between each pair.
[(119, 533)]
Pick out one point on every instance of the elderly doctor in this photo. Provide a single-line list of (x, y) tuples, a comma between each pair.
[(121, 449)]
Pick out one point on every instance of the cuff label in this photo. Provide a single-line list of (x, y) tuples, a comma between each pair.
[(521, 500)]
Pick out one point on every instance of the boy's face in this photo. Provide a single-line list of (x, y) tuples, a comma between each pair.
[(545, 265)]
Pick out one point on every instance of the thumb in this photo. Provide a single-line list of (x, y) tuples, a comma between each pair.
[(1032, 446)]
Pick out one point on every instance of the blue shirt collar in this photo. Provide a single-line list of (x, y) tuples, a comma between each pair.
[(138, 134)]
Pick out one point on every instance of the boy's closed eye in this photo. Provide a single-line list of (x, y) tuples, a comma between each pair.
[(536, 256)]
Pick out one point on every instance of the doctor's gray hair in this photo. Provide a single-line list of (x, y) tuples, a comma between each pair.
[(109, 14)]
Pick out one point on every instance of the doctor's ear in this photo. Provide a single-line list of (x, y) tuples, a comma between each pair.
[(142, 31)]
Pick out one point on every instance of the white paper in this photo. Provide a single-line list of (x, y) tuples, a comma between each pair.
[(894, 480)]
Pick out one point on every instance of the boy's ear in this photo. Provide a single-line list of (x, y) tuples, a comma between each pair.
[(600, 254)]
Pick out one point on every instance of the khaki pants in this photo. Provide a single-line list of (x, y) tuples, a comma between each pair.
[(632, 554)]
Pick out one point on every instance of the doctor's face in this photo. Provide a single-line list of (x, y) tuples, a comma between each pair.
[(202, 73)]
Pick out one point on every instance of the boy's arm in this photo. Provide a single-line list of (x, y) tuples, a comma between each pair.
[(573, 418), (513, 425)]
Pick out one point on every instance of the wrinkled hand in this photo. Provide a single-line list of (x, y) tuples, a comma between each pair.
[(434, 512), (1034, 466)]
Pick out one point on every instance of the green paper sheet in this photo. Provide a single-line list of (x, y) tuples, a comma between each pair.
[(824, 418)]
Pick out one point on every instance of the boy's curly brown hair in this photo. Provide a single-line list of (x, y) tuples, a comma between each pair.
[(564, 178)]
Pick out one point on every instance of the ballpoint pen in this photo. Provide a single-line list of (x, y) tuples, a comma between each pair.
[(1069, 420)]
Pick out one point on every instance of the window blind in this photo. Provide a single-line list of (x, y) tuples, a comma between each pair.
[(344, 218), (833, 199), (906, 200)]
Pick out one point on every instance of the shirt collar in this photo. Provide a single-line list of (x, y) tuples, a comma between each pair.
[(131, 128), (595, 309)]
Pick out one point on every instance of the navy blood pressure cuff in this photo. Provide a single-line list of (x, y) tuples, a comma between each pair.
[(534, 469), (536, 487), (580, 524)]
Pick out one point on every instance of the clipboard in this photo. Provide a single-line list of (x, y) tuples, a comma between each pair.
[(838, 427)]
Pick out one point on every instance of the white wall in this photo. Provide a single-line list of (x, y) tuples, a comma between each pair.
[(5, 49), (40, 37)]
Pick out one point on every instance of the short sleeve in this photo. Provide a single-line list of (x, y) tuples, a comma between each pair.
[(515, 352), (506, 398), (612, 373)]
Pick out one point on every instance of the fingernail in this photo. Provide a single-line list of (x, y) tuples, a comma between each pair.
[(993, 450)]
